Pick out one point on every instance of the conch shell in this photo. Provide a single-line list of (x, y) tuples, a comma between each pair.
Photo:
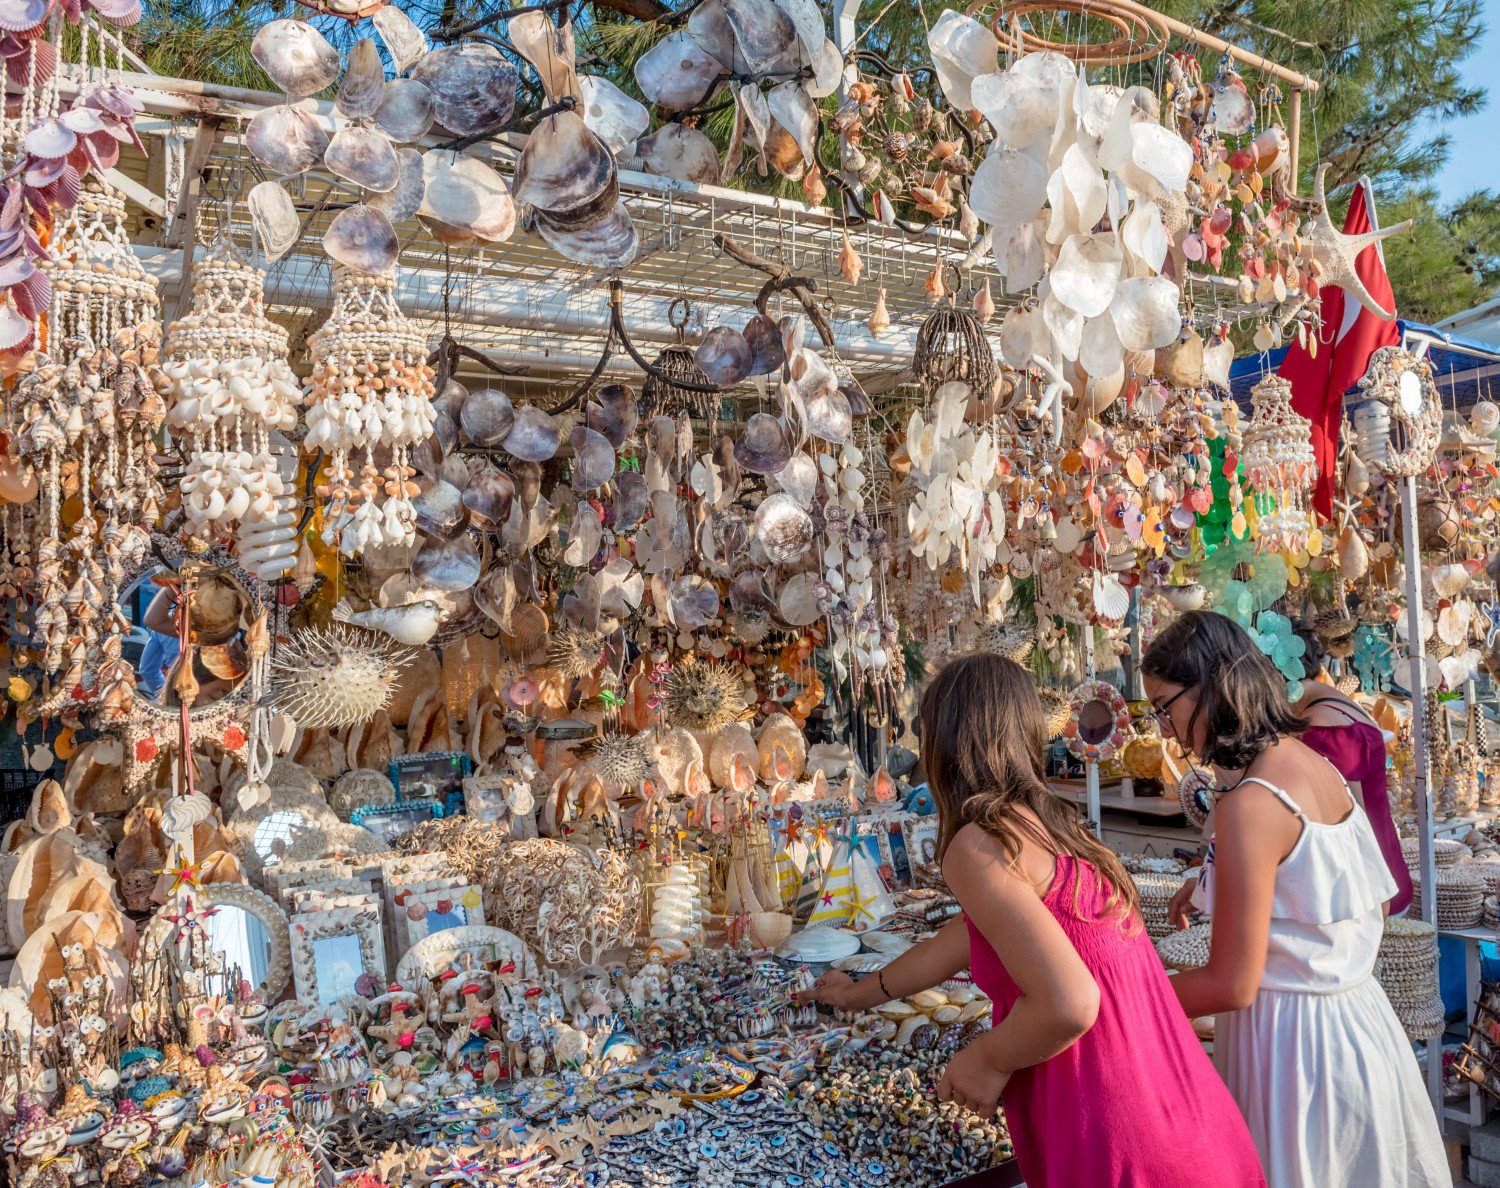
[(850, 264), (879, 320)]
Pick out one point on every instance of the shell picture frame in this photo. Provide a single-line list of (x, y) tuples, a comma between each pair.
[(481, 943), (331, 950)]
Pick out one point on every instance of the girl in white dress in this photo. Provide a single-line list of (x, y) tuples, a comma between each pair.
[(1296, 884)]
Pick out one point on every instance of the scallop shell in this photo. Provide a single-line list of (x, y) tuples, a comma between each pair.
[(799, 479), (793, 109), (473, 86), (764, 445), (295, 56), (439, 510), (286, 139), (563, 166), (677, 151), (612, 115), (724, 356), (1146, 313), (829, 417), (274, 217), (1232, 109), (632, 498), (487, 416), (614, 413), (365, 157), (549, 49), (766, 349), (765, 39), (676, 73), (405, 113), (362, 238), (363, 88), (608, 246), (1087, 273), (403, 40), (693, 602), (449, 565), (584, 536), (488, 497), (783, 529), (405, 199), (593, 459), (1009, 189), (534, 436), (19, 16), (464, 193)]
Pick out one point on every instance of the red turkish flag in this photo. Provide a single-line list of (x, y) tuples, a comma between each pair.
[(1349, 336)]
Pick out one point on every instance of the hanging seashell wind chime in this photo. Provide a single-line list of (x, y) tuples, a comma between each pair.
[(87, 417), (230, 390), (370, 390), (1280, 466)]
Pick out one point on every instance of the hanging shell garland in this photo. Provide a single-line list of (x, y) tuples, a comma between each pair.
[(370, 390)]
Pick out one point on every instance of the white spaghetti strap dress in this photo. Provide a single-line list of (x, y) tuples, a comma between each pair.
[(1318, 1064)]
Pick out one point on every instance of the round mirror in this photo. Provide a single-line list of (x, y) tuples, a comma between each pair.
[(275, 833), (248, 931), (1096, 722), (1409, 393), (215, 663)]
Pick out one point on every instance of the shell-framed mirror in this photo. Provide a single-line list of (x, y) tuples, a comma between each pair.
[(245, 933)]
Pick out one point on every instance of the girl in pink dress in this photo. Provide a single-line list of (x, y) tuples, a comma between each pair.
[(1103, 1081)]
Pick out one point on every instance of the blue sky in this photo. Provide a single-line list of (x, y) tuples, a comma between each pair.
[(1471, 155)]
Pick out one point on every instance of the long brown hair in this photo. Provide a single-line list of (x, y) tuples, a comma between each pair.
[(983, 736), (1240, 695)]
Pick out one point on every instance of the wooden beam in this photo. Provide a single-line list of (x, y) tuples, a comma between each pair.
[(136, 192), (1199, 37), (182, 230)]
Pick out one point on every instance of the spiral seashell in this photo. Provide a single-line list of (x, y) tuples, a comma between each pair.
[(183, 812)]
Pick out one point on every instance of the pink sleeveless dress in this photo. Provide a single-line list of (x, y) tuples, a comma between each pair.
[(1135, 1103)]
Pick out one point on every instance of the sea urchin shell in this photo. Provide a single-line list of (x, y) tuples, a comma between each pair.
[(705, 695), (335, 677)]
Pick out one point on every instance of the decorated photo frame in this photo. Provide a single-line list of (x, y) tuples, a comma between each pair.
[(332, 950), (389, 821), (288, 876), (477, 945), (430, 912), (1098, 722), (922, 840), (443, 772)]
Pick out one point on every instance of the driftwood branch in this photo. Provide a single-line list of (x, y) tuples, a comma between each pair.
[(802, 288)]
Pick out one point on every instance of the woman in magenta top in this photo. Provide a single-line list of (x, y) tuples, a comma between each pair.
[(1340, 731), (1103, 1081)]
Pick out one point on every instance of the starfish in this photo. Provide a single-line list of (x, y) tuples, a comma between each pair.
[(1492, 613), (1336, 252), (184, 875), (860, 906)]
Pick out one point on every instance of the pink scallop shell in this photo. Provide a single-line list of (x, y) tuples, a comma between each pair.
[(18, 16), (50, 138)]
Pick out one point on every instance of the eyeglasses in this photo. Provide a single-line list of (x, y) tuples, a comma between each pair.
[(1161, 712)]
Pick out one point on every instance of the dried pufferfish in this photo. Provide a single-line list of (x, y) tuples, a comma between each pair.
[(335, 677), (705, 694)]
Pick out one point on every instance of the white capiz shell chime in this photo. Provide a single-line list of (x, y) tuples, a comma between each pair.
[(370, 390), (1280, 466), (677, 913), (1066, 156), (230, 389)]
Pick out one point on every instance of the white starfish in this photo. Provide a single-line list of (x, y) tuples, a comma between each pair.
[(1336, 252)]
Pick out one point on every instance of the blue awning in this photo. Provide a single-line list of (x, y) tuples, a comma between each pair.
[(1466, 371)]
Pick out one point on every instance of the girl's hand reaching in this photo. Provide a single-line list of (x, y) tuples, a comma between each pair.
[(838, 990), (973, 1082)]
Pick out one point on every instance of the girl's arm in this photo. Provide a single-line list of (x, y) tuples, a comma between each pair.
[(935, 960), (1059, 998), (1255, 832)]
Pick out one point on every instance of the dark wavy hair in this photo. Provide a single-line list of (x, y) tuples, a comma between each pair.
[(983, 734), (1240, 695)]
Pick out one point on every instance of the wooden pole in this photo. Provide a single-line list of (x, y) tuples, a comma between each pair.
[(1199, 37), (1294, 134)]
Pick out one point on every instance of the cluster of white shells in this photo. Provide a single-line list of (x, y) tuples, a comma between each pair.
[(224, 486), (349, 420), (209, 392)]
